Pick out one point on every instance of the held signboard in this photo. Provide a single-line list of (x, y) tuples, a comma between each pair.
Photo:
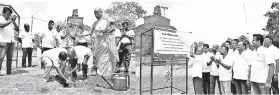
[(166, 42)]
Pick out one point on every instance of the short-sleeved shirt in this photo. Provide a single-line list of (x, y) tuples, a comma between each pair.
[(84, 39), (206, 58), (214, 67), (49, 38), (53, 55), (7, 33), (225, 74), (241, 66), (197, 65), (126, 40), (26, 39), (117, 33), (260, 64), (61, 41), (275, 52), (130, 33), (232, 53), (81, 52)]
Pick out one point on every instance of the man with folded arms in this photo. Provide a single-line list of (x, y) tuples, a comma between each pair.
[(27, 40)]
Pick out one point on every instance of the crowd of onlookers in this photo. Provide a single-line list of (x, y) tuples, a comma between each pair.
[(238, 67)]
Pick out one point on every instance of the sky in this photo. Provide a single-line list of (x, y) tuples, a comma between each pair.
[(211, 21)]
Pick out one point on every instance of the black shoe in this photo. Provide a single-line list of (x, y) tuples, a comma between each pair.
[(118, 71), (29, 65), (23, 66), (74, 78), (85, 76), (126, 71)]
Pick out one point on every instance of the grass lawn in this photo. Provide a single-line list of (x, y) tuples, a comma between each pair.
[(30, 81)]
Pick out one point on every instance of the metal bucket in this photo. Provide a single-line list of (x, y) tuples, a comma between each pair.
[(121, 81)]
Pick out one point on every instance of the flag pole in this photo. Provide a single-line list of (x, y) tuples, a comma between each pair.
[(245, 12)]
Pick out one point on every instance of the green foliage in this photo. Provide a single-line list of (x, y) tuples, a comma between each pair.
[(242, 38), (62, 24), (125, 11), (272, 25), (229, 39)]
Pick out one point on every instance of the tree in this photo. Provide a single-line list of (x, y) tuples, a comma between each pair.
[(229, 39), (272, 25), (242, 38), (125, 11), (62, 24)]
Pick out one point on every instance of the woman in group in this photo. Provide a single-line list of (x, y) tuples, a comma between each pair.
[(104, 46)]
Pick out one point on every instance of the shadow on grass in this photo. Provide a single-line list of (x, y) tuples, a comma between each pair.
[(19, 72)]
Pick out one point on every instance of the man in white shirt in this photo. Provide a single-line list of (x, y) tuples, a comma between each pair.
[(118, 35), (26, 39), (125, 46), (232, 53), (214, 74), (274, 51), (78, 57), (83, 39), (49, 38), (241, 69), (8, 27), (225, 70), (206, 69), (59, 34), (227, 44), (262, 67), (276, 43), (56, 59), (197, 61), (249, 47), (249, 51)]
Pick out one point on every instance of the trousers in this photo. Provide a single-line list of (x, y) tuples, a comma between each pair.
[(6, 49), (27, 52)]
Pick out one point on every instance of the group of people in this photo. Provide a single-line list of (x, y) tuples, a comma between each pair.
[(111, 48), (238, 67)]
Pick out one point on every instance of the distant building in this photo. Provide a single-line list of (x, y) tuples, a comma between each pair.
[(151, 21)]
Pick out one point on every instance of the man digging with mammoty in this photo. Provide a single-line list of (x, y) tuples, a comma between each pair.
[(56, 59)]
